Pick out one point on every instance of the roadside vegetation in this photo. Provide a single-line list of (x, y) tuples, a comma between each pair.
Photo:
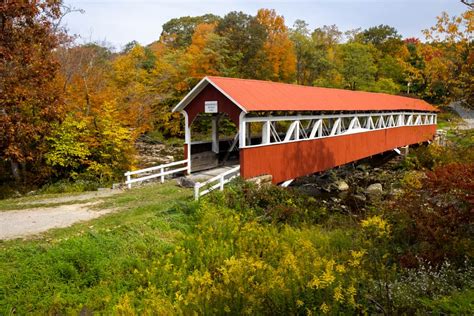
[(261, 250)]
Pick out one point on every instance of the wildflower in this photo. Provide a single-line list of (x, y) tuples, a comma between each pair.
[(178, 296), (379, 226), (227, 309), (299, 303), (328, 277), (356, 256), (351, 292), (315, 283), (324, 308), (340, 268), (338, 294)]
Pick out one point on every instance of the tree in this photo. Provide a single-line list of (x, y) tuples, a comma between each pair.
[(358, 66), (177, 33), (449, 59), (207, 54), (245, 38), (30, 94), (385, 38), (279, 59)]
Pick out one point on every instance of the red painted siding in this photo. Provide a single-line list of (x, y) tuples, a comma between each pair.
[(296, 159), (224, 105)]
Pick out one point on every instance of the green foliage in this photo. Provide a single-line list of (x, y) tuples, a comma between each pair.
[(100, 150), (245, 39), (384, 37), (358, 66), (68, 149), (178, 32), (386, 85), (270, 204)]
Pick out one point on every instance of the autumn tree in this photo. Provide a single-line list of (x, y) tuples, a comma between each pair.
[(278, 59), (207, 53), (30, 95), (178, 32), (132, 79), (449, 67)]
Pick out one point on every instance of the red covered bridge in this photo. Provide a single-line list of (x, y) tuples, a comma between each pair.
[(289, 131)]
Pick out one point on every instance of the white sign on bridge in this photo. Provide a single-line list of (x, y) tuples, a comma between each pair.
[(210, 107)]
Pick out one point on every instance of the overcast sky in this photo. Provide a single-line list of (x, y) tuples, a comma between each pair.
[(121, 21)]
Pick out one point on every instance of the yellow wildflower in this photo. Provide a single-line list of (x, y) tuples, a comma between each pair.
[(299, 303), (378, 225), (328, 277), (227, 309), (315, 283), (338, 294), (340, 268), (324, 308)]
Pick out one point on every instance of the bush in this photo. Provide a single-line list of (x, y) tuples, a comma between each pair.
[(270, 203), (435, 221)]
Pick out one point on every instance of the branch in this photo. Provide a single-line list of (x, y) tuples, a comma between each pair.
[(469, 4)]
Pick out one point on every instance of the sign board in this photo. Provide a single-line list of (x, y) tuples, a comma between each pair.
[(210, 107)]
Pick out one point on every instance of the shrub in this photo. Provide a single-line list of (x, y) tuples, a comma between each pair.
[(436, 220), (270, 203)]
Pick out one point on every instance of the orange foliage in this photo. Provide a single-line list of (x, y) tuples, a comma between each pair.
[(280, 58)]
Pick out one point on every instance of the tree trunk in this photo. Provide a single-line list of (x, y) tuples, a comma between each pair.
[(15, 170)]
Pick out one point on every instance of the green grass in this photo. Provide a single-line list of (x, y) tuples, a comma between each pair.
[(448, 118), (90, 264)]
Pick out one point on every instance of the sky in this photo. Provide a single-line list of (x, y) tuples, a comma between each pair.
[(118, 22)]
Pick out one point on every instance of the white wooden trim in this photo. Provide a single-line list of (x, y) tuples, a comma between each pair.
[(197, 89), (335, 125)]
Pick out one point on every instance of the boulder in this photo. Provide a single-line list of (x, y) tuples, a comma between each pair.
[(265, 179), (374, 189), (341, 185), (185, 182)]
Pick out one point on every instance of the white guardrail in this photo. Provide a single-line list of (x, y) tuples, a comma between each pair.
[(161, 174), (220, 180)]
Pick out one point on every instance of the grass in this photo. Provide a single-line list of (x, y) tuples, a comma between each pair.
[(448, 118), (90, 264)]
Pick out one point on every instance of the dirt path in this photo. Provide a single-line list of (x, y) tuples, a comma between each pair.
[(74, 197), (34, 220)]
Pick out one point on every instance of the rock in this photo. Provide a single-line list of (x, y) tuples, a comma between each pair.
[(359, 197), (265, 179), (397, 192), (341, 185), (374, 189), (185, 182)]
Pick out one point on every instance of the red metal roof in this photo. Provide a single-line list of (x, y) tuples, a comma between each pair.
[(257, 95)]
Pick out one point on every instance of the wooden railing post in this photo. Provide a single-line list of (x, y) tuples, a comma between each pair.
[(162, 170), (196, 191), (221, 180), (129, 185)]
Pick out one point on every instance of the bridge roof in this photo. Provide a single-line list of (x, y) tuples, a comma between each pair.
[(257, 95)]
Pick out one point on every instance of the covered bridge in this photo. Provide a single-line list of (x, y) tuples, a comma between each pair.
[(289, 131)]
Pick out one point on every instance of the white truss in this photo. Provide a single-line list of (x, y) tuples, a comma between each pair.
[(286, 129)]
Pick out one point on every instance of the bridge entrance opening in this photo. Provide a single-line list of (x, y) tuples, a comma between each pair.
[(214, 142)]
